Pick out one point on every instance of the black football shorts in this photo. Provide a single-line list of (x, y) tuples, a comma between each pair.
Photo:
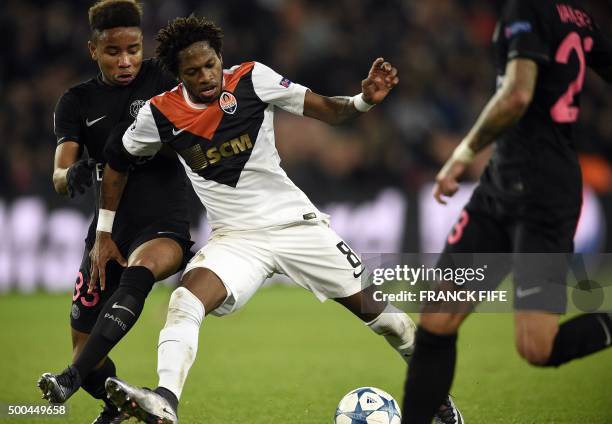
[(86, 307), (535, 251)]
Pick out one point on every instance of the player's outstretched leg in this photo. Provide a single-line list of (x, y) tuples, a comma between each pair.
[(543, 342), (144, 404), (431, 371), (397, 328), (152, 260), (94, 382), (399, 331), (117, 317), (384, 319), (201, 291)]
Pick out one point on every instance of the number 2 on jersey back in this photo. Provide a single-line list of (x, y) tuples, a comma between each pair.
[(562, 111)]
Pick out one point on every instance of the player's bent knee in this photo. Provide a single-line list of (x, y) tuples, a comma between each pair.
[(206, 286), (535, 335), (162, 257), (535, 353), (146, 261), (184, 306), (160, 268), (441, 323)]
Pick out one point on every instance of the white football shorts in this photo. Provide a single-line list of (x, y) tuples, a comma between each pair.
[(309, 253)]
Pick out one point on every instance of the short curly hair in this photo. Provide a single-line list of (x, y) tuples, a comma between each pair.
[(106, 14), (182, 33)]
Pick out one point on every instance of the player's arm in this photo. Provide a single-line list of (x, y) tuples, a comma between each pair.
[(502, 111), (336, 110), (70, 175), (66, 154), (122, 151), (105, 249)]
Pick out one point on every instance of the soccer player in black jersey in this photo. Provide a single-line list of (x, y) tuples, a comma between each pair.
[(529, 197), (153, 236)]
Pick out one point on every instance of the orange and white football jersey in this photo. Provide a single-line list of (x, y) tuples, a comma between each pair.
[(227, 147)]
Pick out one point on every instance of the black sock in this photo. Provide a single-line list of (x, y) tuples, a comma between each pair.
[(430, 375), (94, 383), (581, 336), (169, 396), (117, 317)]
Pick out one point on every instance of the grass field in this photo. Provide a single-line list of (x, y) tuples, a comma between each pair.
[(286, 358)]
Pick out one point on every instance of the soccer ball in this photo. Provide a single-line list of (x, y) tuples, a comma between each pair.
[(368, 405)]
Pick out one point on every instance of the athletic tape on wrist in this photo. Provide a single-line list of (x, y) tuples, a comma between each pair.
[(464, 153), (105, 220), (360, 104)]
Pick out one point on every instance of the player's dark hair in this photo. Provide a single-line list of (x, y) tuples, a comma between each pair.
[(182, 33), (106, 14)]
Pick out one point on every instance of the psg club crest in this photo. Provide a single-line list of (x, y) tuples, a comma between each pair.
[(135, 107), (76, 312), (228, 102)]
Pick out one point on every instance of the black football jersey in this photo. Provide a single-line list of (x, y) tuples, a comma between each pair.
[(535, 161), (89, 112)]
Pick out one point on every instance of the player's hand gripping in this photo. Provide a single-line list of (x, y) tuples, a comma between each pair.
[(79, 176), (381, 79), (104, 250), (447, 179)]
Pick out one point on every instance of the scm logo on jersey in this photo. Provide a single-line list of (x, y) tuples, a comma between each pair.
[(198, 159), (228, 102)]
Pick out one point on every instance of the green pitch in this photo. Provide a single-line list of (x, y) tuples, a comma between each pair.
[(286, 358)]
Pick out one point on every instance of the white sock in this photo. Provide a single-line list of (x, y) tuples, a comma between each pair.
[(397, 328), (178, 340)]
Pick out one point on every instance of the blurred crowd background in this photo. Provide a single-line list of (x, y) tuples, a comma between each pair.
[(441, 47), (373, 176)]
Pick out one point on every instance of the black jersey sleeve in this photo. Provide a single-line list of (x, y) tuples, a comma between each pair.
[(115, 154), (527, 30), (66, 118)]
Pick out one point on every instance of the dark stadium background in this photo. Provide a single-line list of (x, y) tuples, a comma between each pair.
[(372, 175), (286, 358)]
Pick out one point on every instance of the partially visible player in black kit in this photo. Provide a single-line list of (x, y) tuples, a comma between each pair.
[(529, 197), (153, 235)]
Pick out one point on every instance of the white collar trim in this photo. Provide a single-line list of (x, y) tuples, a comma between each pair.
[(188, 100)]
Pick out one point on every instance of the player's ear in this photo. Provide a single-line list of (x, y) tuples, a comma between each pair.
[(92, 50)]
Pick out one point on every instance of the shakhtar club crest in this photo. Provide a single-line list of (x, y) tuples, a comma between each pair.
[(228, 102)]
